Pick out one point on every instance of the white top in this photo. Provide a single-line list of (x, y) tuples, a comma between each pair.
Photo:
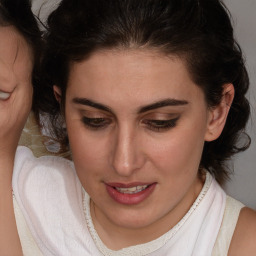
[(231, 214), (53, 215)]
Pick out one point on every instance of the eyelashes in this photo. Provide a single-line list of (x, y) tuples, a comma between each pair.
[(95, 123), (161, 125), (157, 125)]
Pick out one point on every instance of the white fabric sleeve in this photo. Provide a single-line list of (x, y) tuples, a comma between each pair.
[(29, 247), (228, 225)]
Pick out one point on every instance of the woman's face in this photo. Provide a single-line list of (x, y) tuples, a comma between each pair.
[(16, 64), (16, 57), (137, 125)]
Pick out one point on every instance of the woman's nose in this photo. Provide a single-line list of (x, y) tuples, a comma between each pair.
[(127, 154)]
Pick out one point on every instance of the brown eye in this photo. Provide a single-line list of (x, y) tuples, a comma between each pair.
[(160, 125), (95, 123)]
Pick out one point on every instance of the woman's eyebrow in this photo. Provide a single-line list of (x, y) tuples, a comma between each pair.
[(155, 105), (162, 103), (90, 103)]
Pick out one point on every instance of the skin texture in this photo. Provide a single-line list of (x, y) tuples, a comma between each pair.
[(128, 145), (243, 240), (16, 64), (127, 148)]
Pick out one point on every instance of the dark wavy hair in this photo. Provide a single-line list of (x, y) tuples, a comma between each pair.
[(18, 13), (198, 31)]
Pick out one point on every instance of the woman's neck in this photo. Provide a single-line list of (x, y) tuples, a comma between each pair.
[(117, 237)]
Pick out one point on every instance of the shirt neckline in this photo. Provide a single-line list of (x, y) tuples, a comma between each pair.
[(149, 247)]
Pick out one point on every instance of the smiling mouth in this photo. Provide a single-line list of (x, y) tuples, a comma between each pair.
[(131, 190), (130, 194)]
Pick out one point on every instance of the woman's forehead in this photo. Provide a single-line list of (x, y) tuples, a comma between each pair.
[(131, 75), (134, 63)]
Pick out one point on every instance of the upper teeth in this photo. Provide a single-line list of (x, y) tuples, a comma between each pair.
[(131, 190), (4, 95)]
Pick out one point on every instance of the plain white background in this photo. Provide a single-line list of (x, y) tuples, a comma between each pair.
[(242, 185)]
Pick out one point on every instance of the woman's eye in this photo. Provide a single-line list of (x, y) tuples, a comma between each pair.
[(95, 123), (160, 125)]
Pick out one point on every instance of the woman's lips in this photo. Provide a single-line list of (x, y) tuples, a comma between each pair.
[(129, 194)]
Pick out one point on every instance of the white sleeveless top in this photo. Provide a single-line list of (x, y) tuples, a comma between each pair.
[(53, 215)]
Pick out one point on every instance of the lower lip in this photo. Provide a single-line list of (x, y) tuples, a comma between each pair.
[(130, 199)]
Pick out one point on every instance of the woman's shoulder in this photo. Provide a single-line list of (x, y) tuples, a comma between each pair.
[(244, 238), (50, 199), (26, 164), (24, 155), (40, 173)]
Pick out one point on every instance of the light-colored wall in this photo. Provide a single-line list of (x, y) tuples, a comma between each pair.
[(243, 184)]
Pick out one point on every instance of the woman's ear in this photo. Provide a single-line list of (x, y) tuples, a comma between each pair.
[(218, 114), (57, 93)]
